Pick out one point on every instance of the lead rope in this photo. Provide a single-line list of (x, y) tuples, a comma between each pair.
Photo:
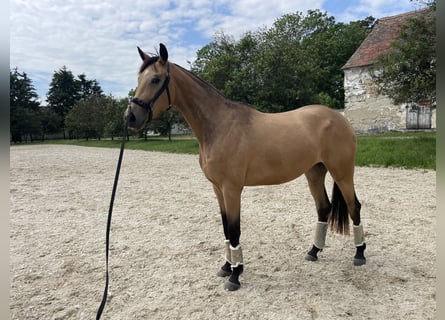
[(110, 211)]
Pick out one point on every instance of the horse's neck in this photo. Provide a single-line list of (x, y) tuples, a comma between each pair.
[(202, 106)]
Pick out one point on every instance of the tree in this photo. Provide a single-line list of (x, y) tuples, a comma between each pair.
[(65, 91), (295, 62), (114, 116), (22, 92), (407, 73), (87, 118), (24, 107), (88, 87), (329, 50), (164, 124), (50, 121)]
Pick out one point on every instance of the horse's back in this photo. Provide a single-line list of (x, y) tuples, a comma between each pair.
[(316, 123)]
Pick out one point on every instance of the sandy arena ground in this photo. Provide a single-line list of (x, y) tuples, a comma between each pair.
[(167, 243)]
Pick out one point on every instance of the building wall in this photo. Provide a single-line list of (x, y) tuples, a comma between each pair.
[(365, 109)]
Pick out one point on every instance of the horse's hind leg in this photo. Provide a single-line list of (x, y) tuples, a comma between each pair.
[(346, 194), (316, 177)]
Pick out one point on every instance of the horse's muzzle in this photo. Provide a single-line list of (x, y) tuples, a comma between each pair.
[(129, 116), (136, 119)]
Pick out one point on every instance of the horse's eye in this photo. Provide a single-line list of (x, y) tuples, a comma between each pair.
[(155, 80)]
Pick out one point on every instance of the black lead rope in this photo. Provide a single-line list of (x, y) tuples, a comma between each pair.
[(110, 211)]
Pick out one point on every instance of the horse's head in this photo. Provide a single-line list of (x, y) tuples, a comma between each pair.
[(152, 96)]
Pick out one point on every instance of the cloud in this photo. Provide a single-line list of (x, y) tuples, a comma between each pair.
[(356, 10), (99, 39)]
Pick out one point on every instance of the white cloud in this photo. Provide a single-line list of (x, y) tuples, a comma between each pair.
[(100, 38), (357, 10)]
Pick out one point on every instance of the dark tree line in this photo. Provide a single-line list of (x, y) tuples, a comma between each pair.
[(76, 107), (27, 119)]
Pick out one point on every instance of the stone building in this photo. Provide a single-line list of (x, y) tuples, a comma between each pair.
[(364, 107)]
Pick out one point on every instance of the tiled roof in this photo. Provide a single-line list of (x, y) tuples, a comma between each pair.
[(379, 40)]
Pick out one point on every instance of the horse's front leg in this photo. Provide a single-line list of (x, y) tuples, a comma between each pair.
[(226, 269), (230, 202), (236, 254)]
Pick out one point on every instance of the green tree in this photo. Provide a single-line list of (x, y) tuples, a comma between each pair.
[(216, 61), (407, 73), (295, 62), (50, 121), (87, 119), (114, 116), (88, 87), (164, 124), (22, 92), (328, 51), (24, 107), (63, 93)]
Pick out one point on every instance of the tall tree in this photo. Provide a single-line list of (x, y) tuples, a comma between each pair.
[(88, 87), (22, 92), (24, 107), (407, 73), (63, 93)]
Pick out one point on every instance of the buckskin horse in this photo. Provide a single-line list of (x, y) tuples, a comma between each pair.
[(240, 146)]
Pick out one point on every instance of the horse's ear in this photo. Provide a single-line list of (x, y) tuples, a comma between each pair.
[(163, 53), (143, 55)]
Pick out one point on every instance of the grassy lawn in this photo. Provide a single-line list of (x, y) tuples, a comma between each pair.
[(177, 145), (404, 150)]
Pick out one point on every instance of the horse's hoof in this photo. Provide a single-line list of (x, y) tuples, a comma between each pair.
[(231, 286), (308, 257), (223, 273), (359, 261)]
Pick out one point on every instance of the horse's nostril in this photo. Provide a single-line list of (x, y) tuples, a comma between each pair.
[(130, 117)]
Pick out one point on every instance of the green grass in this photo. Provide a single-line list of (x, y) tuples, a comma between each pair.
[(404, 150), (176, 145)]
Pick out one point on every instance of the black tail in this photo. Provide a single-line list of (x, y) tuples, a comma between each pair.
[(339, 218)]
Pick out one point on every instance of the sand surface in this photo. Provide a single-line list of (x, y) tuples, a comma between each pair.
[(167, 243)]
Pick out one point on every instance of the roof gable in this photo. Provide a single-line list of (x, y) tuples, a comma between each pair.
[(379, 40)]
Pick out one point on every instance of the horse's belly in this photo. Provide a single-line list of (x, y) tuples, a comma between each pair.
[(270, 180), (276, 170)]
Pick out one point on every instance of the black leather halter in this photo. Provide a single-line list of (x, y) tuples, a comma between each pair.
[(149, 104)]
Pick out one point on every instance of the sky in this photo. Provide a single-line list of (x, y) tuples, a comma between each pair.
[(100, 38)]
